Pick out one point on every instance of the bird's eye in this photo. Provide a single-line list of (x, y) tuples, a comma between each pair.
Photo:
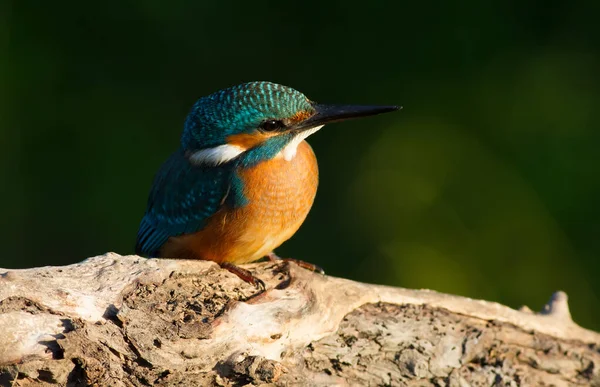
[(272, 125)]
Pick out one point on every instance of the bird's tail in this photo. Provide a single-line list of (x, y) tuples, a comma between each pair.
[(149, 239)]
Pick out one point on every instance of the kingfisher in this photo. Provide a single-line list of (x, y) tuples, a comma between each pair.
[(243, 179)]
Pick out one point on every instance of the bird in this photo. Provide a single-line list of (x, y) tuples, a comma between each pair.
[(243, 179)]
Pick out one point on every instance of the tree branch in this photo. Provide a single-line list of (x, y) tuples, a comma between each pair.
[(125, 320)]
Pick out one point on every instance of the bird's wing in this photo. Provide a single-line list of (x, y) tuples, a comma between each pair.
[(182, 198)]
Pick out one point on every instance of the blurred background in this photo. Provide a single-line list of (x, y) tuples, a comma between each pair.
[(486, 184)]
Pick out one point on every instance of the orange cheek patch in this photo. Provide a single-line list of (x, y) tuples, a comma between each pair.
[(246, 140), (301, 116)]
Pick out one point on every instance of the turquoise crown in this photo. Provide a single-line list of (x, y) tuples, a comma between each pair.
[(239, 109)]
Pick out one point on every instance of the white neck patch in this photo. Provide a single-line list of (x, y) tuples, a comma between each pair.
[(289, 152), (217, 155), (227, 152)]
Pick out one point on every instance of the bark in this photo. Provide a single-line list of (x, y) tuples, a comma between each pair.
[(128, 321)]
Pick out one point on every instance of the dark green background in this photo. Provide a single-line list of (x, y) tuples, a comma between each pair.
[(485, 185)]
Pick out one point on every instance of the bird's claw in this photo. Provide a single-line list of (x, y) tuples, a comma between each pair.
[(259, 284), (245, 275), (305, 265)]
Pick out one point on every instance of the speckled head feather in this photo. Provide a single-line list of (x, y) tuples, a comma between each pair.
[(241, 109)]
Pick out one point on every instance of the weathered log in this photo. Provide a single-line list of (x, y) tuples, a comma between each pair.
[(128, 321)]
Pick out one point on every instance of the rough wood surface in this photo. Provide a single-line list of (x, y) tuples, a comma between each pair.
[(128, 321)]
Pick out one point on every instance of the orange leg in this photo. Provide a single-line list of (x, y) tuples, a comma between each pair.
[(244, 275), (308, 266)]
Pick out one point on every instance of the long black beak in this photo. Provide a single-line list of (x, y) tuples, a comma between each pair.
[(326, 114)]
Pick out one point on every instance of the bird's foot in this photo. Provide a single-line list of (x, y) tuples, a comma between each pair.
[(245, 275), (306, 265)]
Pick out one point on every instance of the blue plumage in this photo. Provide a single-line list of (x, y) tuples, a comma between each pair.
[(182, 198), (265, 151)]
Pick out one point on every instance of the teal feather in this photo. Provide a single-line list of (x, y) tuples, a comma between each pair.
[(182, 198), (237, 110), (265, 151)]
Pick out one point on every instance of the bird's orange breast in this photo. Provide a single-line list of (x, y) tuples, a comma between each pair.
[(280, 194)]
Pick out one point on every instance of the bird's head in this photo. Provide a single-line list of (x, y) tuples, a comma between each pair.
[(258, 121)]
